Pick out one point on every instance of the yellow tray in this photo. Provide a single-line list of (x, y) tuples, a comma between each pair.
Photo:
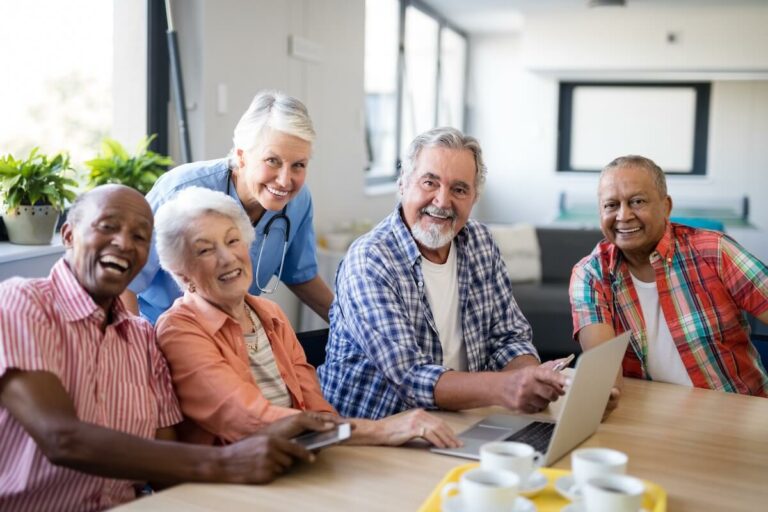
[(548, 500)]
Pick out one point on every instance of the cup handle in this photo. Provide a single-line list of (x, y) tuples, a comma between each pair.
[(448, 489), (538, 459)]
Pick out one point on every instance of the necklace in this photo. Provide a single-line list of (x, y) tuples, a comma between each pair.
[(252, 345)]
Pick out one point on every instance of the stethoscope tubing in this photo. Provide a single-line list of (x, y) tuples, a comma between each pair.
[(282, 215)]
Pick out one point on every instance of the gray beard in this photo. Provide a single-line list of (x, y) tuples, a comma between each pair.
[(433, 237)]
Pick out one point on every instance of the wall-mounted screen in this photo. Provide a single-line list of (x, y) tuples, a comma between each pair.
[(664, 122)]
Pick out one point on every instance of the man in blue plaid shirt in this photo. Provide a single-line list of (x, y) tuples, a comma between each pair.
[(424, 314)]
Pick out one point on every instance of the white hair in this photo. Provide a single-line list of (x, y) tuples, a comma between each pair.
[(271, 110), (176, 218), (444, 137)]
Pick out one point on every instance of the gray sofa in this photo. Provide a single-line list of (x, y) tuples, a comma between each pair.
[(546, 304)]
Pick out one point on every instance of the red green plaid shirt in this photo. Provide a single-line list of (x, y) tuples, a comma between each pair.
[(704, 280)]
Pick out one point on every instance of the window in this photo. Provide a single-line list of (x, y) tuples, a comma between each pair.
[(56, 91), (666, 122), (415, 67)]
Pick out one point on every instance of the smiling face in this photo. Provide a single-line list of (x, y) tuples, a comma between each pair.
[(272, 173), (108, 241), (633, 213), (218, 263), (438, 198)]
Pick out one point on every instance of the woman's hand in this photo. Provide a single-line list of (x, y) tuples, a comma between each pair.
[(403, 427), (295, 424)]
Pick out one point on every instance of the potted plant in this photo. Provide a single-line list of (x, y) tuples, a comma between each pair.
[(115, 165), (35, 191)]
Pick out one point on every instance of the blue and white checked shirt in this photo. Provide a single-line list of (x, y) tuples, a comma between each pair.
[(384, 355)]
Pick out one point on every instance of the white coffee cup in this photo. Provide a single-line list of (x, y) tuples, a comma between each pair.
[(483, 490), (520, 458), (591, 462), (613, 493)]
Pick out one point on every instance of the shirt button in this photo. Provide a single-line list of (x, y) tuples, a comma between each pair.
[(421, 283), (669, 260)]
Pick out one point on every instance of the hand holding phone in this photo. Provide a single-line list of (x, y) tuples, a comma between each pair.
[(316, 440)]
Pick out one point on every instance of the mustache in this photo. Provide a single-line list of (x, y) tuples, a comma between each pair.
[(449, 213)]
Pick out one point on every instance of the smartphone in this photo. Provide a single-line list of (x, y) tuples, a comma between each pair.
[(315, 440), (562, 365)]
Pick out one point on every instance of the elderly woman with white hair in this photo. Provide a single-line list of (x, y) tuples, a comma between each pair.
[(265, 174), (235, 361)]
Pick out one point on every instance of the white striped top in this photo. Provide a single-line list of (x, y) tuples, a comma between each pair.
[(264, 368), (116, 379)]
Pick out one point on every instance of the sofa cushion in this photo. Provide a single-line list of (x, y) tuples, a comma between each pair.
[(519, 248)]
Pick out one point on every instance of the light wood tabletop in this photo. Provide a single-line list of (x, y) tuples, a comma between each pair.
[(708, 449)]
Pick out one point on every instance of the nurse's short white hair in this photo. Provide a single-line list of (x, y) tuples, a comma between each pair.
[(271, 110), (444, 137), (175, 220)]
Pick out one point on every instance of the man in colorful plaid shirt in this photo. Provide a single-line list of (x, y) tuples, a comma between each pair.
[(680, 290), (424, 314)]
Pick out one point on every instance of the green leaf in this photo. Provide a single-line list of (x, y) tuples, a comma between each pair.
[(115, 165)]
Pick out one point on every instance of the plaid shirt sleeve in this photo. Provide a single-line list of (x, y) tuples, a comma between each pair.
[(385, 332), (744, 276), (589, 294)]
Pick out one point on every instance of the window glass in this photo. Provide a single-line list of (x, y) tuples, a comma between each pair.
[(415, 73), (381, 52), (56, 90), (419, 75), (453, 58)]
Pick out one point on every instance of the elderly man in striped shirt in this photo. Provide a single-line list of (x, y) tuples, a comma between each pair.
[(86, 402), (680, 290)]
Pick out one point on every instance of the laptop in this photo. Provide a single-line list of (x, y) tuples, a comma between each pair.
[(579, 418)]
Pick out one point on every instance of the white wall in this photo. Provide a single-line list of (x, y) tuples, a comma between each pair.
[(515, 113)]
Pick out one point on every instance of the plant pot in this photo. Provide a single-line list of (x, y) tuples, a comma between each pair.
[(31, 225)]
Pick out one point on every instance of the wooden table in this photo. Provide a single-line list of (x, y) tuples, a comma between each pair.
[(708, 449)]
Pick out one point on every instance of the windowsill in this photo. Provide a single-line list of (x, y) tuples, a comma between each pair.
[(380, 189), (14, 252)]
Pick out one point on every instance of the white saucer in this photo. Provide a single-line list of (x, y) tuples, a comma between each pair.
[(453, 504), (566, 487), (536, 482), (579, 507)]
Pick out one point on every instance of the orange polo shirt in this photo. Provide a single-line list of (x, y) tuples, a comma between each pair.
[(206, 353)]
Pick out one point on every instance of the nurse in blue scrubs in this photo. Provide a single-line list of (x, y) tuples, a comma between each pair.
[(265, 172)]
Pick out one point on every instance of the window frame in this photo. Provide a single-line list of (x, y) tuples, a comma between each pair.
[(375, 181)]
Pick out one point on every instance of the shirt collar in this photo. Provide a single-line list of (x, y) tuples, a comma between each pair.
[(666, 245), (75, 302), (212, 319)]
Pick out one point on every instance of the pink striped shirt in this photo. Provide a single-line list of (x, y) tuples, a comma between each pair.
[(117, 379)]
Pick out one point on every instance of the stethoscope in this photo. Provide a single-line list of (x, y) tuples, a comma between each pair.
[(281, 215)]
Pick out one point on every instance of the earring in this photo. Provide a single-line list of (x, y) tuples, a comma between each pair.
[(191, 288)]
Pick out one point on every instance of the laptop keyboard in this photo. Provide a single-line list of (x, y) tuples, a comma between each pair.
[(536, 434)]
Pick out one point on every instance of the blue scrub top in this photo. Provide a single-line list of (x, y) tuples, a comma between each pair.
[(157, 290)]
